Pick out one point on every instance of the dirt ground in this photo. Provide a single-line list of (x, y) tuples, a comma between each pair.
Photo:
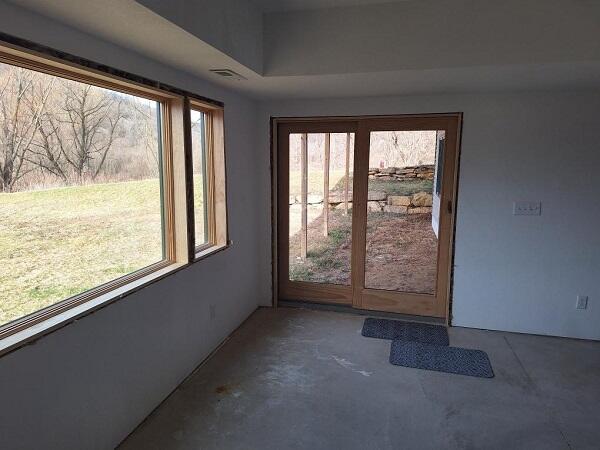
[(328, 258), (401, 252)]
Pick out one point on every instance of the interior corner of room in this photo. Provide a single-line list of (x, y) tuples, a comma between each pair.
[(274, 224)]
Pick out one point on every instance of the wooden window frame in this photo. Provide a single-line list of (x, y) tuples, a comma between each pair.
[(179, 250), (216, 195)]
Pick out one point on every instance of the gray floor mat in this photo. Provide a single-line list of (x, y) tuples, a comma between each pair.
[(474, 363), (405, 331)]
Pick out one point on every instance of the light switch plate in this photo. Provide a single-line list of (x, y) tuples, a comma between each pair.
[(526, 208)]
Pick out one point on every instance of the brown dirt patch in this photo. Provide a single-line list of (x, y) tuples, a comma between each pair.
[(401, 252)]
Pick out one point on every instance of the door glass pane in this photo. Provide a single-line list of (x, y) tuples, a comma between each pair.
[(320, 207), (403, 211)]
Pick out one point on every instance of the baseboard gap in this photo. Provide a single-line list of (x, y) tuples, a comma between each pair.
[(360, 312)]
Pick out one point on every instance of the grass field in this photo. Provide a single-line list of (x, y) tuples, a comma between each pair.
[(407, 187), (60, 242), (337, 182)]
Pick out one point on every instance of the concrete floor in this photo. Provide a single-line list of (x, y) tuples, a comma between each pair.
[(307, 379)]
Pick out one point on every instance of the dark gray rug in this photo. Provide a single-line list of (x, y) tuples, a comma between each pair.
[(405, 331), (474, 363)]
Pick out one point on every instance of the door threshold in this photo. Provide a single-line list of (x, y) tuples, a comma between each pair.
[(360, 312)]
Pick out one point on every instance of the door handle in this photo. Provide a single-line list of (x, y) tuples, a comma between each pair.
[(449, 206)]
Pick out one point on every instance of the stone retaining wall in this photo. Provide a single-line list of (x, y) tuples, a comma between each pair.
[(425, 172), (419, 203), (380, 201)]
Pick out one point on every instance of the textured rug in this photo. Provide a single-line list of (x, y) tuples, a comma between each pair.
[(405, 331), (462, 361)]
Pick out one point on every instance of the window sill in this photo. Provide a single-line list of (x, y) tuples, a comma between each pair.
[(202, 253), (35, 331)]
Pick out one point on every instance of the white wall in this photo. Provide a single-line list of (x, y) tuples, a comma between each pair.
[(429, 34), (435, 206), (513, 273), (87, 385), (435, 214)]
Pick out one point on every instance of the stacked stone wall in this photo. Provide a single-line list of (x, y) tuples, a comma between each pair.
[(381, 201)]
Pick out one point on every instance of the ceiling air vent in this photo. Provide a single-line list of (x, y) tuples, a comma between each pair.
[(228, 73)]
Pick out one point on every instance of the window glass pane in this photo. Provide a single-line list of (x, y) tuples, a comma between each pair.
[(80, 188), (199, 170)]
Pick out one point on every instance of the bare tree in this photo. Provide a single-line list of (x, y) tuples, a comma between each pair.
[(48, 150), (23, 99), (93, 115), (402, 148), (146, 127), (75, 137), (62, 132)]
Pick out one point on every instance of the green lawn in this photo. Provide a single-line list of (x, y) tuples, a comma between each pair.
[(337, 182), (60, 242), (327, 257), (406, 187)]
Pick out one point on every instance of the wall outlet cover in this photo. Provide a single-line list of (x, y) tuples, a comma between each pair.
[(527, 208), (582, 302)]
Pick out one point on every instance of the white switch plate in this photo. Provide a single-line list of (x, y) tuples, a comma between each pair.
[(527, 208), (582, 301)]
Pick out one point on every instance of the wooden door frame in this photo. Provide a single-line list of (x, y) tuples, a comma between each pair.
[(343, 295)]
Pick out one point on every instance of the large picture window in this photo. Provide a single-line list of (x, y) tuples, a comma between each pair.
[(81, 182), (93, 192)]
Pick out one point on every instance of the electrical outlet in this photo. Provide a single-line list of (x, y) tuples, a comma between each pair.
[(582, 302), (527, 208), (212, 311)]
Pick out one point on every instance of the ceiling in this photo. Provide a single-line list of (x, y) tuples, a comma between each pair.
[(299, 5), (375, 50)]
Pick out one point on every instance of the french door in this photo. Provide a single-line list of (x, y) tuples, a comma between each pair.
[(365, 211)]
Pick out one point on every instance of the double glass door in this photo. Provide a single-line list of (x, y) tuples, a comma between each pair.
[(365, 211)]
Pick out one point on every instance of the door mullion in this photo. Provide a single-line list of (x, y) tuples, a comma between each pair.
[(359, 211)]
